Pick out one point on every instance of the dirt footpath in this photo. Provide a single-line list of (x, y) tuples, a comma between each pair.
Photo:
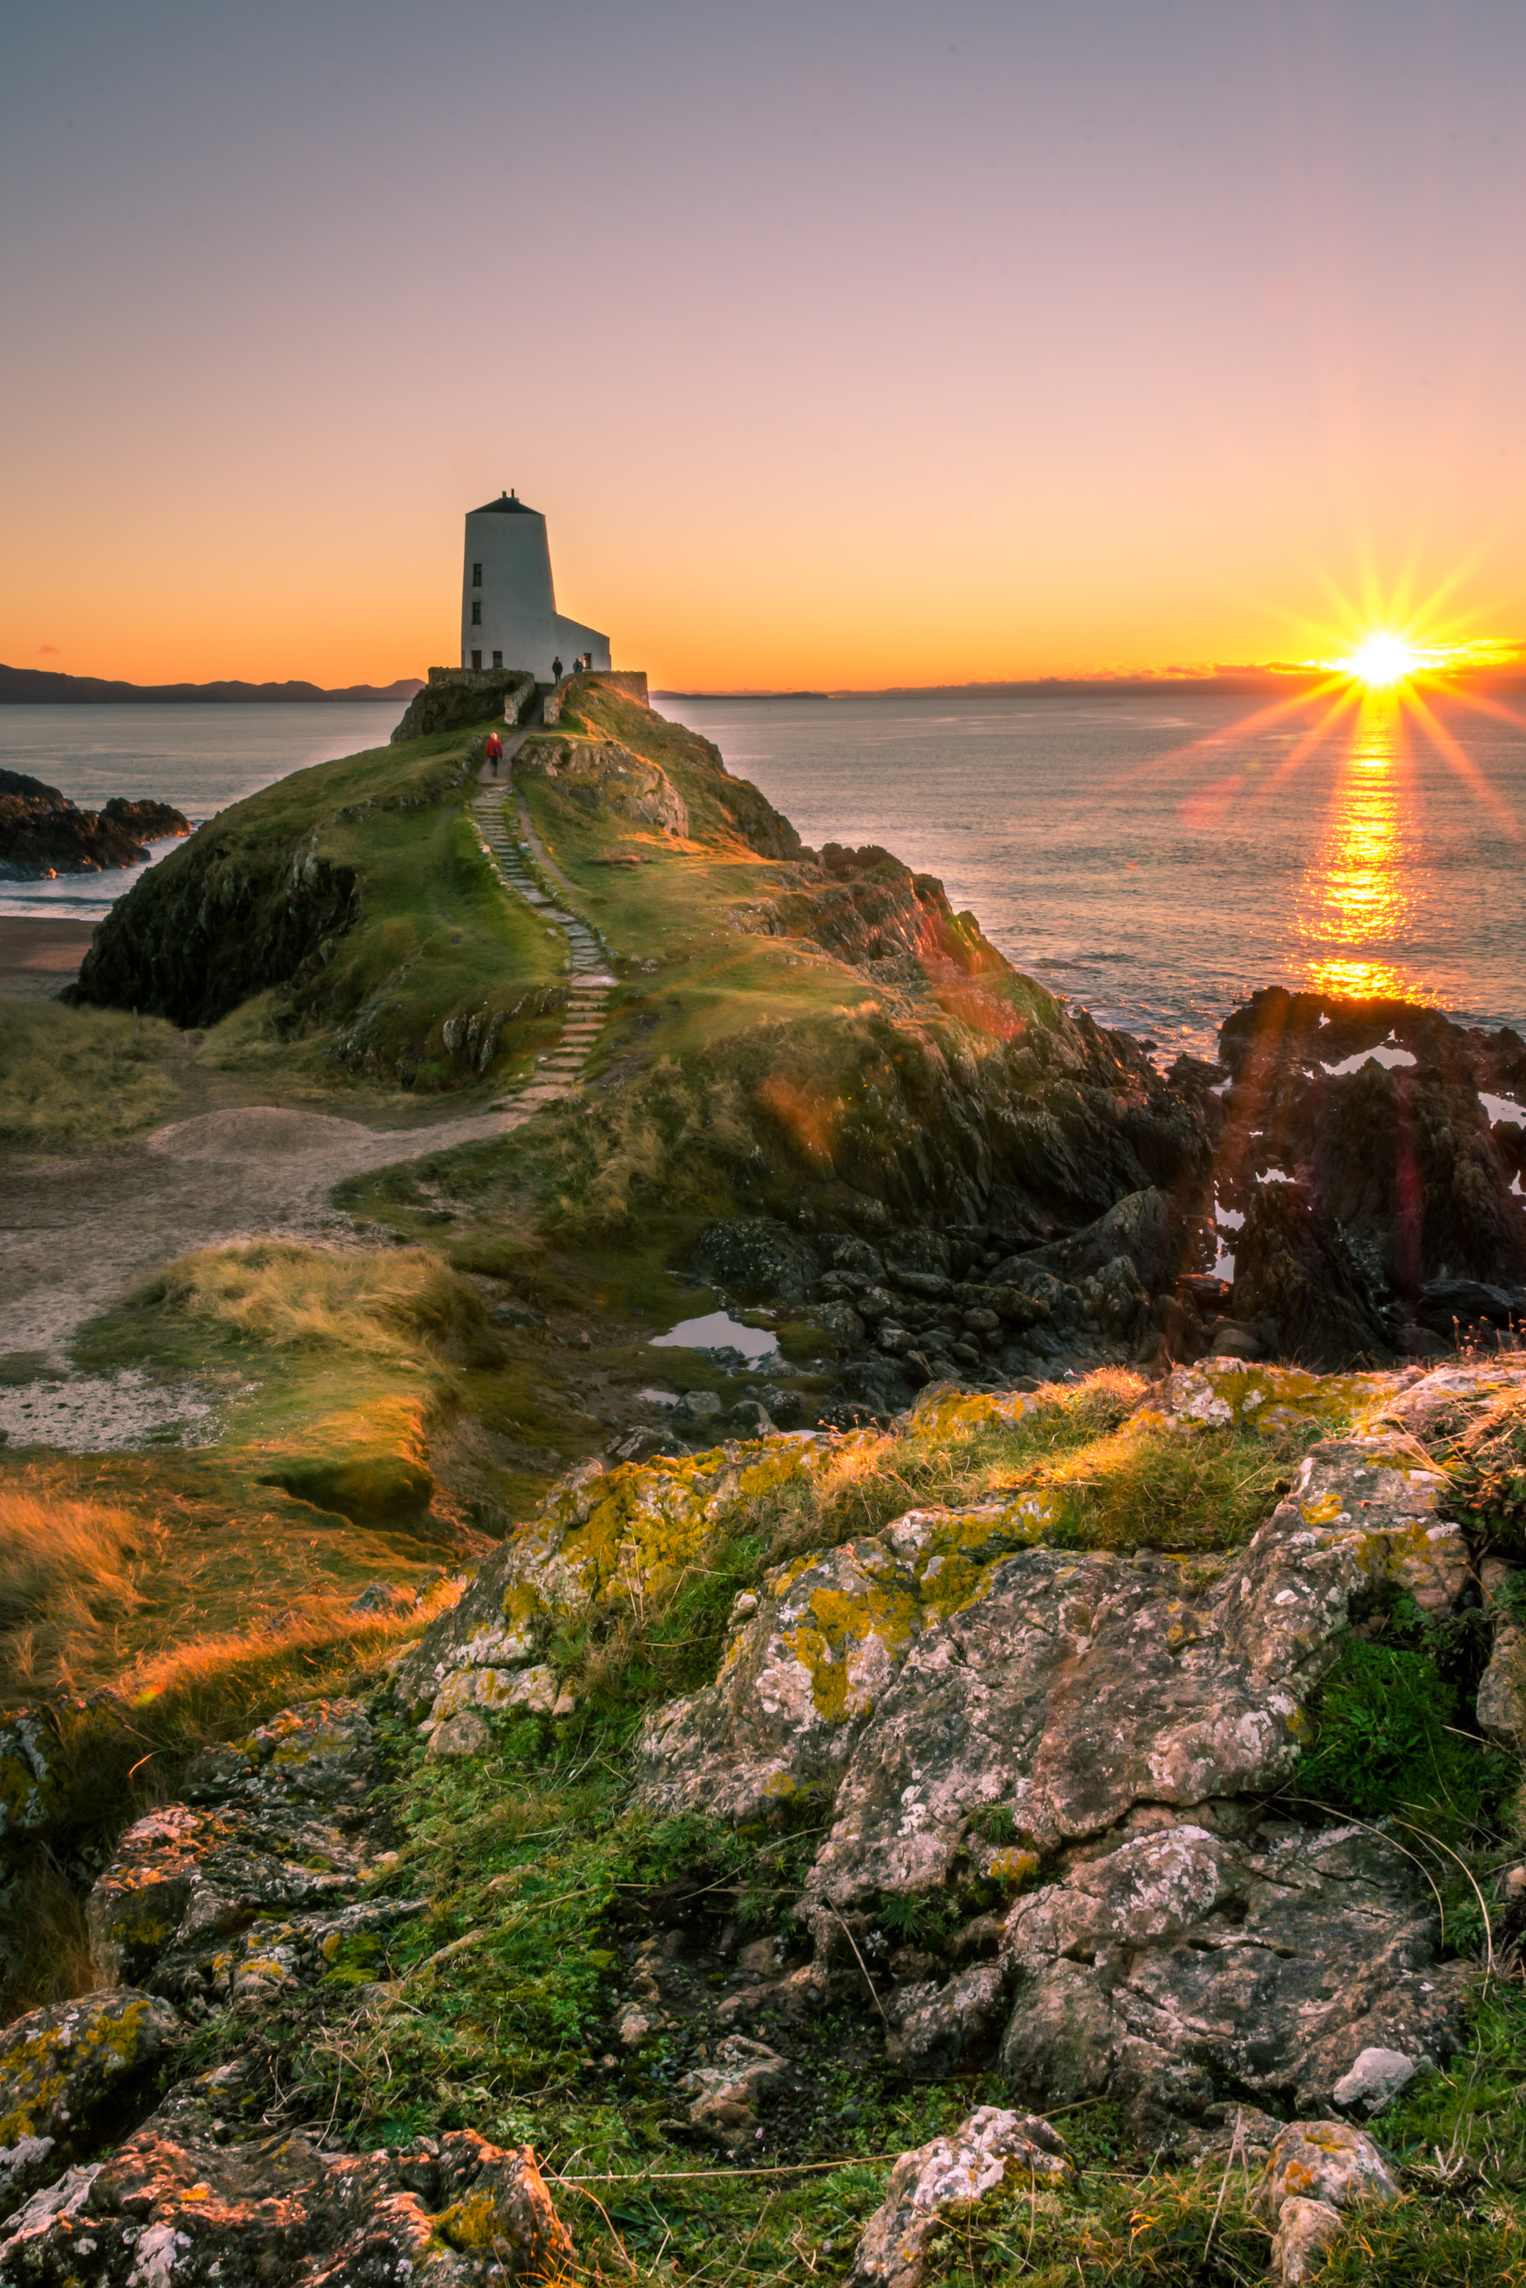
[(76, 1233)]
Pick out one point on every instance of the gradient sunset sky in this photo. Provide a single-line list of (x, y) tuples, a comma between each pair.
[(842, 344)]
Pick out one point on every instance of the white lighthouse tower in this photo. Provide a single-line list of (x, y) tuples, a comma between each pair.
[(508, 605)]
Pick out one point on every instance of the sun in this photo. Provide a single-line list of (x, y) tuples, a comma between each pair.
[(1381, 660)]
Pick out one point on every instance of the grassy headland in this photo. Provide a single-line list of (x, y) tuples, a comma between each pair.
[(819, 1042)]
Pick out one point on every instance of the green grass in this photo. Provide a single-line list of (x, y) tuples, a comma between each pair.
[(492, 2007), (74, 1079), (438, 938)]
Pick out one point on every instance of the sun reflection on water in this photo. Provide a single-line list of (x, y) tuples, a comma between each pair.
[(1359, 896)]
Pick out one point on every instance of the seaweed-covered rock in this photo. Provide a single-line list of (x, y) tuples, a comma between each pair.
[(174, 2203), (62, 2068), (948, 2179)]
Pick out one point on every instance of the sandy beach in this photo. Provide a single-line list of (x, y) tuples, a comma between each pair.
[(38, 958)]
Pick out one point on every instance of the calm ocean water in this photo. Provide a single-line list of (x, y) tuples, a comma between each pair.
[(1155, 861), (200, 759), (1158, 861)]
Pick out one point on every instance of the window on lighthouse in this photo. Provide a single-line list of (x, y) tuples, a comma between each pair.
[(476, 575), (476, 615)]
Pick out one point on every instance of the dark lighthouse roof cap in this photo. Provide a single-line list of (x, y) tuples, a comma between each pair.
[(507, 504)]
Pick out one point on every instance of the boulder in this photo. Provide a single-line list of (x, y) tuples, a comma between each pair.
[(464, 1734), (1376, 2079), (947, 2180), (63, 2068), (727, 2092), (497, 1691), (1285, 1953), (754, 1258), (1327, 2161), (1305, 2230), (175, 2204)]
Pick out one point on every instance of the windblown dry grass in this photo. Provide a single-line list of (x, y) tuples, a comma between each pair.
[(385, 1306), (66, 1580), (78, 1077)]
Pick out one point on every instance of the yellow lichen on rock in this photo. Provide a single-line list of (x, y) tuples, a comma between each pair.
[(58, 2066)]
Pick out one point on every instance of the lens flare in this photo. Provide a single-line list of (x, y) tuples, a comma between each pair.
[(1383, 659)]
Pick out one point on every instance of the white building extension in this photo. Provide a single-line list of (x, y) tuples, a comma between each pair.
[(508, 606)]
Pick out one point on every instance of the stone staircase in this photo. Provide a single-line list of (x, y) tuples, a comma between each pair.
[(558, 1069)]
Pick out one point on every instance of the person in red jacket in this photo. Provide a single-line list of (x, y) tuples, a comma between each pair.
[(494, 751)]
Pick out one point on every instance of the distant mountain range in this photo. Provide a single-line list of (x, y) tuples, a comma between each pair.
[(36, 686)]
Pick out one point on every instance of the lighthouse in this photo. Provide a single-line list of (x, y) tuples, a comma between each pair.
[(508, 606)]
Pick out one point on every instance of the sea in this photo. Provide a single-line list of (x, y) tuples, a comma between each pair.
[(1153, 858)]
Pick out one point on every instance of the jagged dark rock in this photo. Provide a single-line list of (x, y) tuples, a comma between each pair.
[(214, 923), (1401, 1158), (1294, 1268), (43, 833)]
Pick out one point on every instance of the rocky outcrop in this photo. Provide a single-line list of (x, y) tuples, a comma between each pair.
[(42, 833), (455, 698), (942, 1672), (179, 2202), (1376, 1110), (867, 908), (214, 923), (944, 2182), (244, 1890), (1077, 1758), (608, 780)]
